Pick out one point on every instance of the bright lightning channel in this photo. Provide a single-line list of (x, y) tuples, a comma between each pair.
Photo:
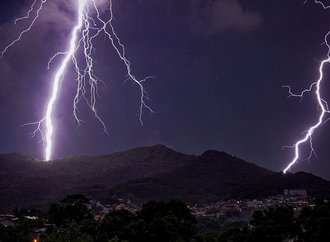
[(322, 104), (89, 25)]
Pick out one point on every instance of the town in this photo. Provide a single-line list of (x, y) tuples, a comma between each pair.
[(231, 210)]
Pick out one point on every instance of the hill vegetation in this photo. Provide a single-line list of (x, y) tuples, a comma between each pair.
[(163, 221), (143, 174)]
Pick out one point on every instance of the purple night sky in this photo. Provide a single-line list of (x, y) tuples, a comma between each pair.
[(218, 65)]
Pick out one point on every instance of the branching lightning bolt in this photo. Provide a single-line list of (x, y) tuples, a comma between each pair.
[(88, 26), (322, 104)]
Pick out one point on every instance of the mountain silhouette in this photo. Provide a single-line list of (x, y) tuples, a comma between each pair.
[(142, 174)]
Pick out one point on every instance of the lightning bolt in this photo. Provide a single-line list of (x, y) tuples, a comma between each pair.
[(89, 25), (322, 104)]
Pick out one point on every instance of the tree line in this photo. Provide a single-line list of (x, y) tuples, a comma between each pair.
[(165, 221)]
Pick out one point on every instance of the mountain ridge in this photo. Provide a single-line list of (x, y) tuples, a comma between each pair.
[(144, 173)]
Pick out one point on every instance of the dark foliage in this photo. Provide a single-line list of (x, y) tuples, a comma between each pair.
[(280, 224), (157, 221), (315, 223), (166, 221), (72, 209), (22, 231), (121, 224)]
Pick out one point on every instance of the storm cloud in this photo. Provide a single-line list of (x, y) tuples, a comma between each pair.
[(212, 17)]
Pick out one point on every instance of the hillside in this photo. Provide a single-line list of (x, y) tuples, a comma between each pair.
[(219, 176), (144, 173), (25, 181)]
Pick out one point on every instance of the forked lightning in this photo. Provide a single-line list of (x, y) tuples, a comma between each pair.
[(88, 26), (322, 104)]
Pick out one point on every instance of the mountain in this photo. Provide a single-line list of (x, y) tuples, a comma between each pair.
[(25, 181), (219, 176), (142, 174)]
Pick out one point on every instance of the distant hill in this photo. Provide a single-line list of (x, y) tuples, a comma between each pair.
[(143, 173), (219, 176)]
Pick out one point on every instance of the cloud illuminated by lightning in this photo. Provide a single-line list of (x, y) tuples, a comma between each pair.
[(322, 104), (89, 25)]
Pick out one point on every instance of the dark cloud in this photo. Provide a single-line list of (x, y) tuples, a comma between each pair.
[(38, 45), (229, 14), (57, 16), (211, 17)]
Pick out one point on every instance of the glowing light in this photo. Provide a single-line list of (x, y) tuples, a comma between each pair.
[(323, 105), (88, 26)]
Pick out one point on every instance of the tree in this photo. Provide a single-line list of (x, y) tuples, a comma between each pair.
[(157, 221), (8, 234), (235, 235), (72, 218), (273, 225), (76, 208), (117, 224), (315, 223), (168, 221), (72, 208), (72, 232)]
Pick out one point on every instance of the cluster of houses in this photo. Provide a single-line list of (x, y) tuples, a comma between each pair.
[(231, 209), (99, 210), (243, 209), (8, 220)]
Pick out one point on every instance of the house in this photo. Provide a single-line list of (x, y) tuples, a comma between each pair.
[(7, 220)]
